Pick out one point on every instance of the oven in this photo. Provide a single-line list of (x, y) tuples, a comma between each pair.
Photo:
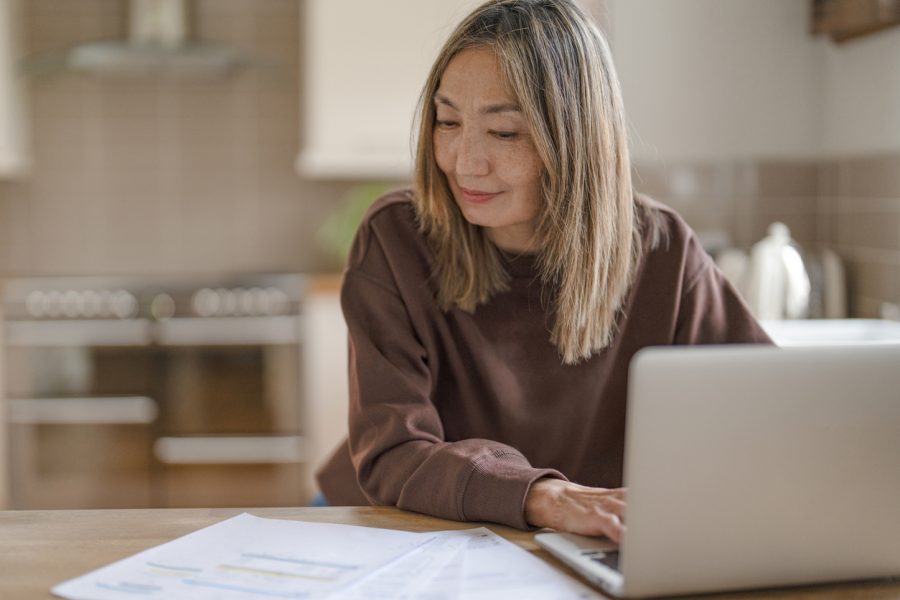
[(155, 392)]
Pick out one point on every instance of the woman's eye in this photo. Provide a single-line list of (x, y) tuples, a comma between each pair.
[(505, 135), (445, 124)]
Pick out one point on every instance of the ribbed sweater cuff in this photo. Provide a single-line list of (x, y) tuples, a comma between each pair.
[(497, 487)]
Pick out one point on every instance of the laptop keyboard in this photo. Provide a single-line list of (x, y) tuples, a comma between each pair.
[(595, 559), (609, 558)]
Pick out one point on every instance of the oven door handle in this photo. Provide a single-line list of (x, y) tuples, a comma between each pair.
[(221, 449), (87, 332), (228, 331), (101, 410)]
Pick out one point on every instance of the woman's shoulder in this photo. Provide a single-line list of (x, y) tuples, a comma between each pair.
[(661, 226), (395, 205), (391, 224), (668, 239)]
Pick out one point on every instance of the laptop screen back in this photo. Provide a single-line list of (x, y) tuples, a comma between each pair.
[(752, 466)]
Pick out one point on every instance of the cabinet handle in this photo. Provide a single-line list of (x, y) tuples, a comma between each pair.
[(229, 450)]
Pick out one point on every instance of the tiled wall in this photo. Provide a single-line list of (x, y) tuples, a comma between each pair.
[(850, 205), (151, 175), (154, 174), (859, 216)]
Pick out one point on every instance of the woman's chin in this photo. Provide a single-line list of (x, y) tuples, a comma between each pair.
[(475, 215)]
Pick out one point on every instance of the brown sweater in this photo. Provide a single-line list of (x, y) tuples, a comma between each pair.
[(456, 414)]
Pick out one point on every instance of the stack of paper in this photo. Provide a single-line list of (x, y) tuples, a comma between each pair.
[(250, 557)]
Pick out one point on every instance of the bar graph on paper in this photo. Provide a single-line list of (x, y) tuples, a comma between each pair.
[(248, 557)]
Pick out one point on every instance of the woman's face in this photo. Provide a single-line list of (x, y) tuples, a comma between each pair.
[(482, 145)]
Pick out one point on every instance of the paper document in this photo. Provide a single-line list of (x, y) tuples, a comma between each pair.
[(496, 569), (249, 557), (433, 571)]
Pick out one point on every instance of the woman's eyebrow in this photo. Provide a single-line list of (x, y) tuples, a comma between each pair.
[(487, 110)]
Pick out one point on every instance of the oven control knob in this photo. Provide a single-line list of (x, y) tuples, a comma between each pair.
[(105, 303), (205, 302), (227, 302), (244, 301), (53, 304), (278, 301), (123, 303), (35, 303), (92, 304), (73, 304), (260, 301), (162, 306)]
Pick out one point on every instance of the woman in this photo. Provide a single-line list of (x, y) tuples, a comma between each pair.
[(493, 311)]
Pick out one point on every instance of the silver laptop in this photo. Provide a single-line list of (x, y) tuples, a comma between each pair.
[(752, 467)]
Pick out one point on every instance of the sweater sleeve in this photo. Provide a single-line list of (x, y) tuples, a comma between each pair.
[(397, 440), (711, 311)]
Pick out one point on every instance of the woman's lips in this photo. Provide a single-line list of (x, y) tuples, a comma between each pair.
[(477, 196)]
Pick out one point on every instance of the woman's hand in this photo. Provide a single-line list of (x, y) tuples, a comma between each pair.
[(574, 508)]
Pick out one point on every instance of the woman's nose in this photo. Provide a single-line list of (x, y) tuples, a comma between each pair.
[(471, 158)]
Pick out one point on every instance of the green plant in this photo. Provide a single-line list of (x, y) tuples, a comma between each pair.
[(337, 230)]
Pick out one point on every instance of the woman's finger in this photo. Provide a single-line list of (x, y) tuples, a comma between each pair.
[(620, 493), (613, 505), (611, 526)]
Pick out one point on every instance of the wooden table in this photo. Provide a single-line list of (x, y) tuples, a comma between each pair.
[(39, 549)]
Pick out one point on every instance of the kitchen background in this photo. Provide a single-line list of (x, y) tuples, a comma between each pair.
[(741, 116)]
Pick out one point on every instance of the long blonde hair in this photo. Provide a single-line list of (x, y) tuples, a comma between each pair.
[(558, 66)]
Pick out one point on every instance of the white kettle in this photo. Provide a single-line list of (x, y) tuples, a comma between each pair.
[(777, 284)]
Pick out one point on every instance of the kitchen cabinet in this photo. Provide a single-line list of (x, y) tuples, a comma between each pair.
[(364, 64), (326, 387), (14, 154)]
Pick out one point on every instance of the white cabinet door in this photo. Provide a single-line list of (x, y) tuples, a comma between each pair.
[(364, 66), (14, 159)]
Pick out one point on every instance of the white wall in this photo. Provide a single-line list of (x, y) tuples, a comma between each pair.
[(718, 79), (862, 95)]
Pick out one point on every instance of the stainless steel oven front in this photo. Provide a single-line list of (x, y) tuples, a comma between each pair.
[(136, 392)]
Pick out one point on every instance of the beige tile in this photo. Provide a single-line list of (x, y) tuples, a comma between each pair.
[(827, 173), (229, 7), (864, 307), (74, 7), (650, 179), (871, 230), (855, 204), (280, 54), (875, 176), (15, 200), (787, 205), (686, 181), (874, 280), (785, 178), (225, 28), (276, 26), (145, 175), (285, 8), (826, 223), (709, 220), (132, 101)]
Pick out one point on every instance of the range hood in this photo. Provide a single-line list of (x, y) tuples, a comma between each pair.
[(191, 59), (157, 44)]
